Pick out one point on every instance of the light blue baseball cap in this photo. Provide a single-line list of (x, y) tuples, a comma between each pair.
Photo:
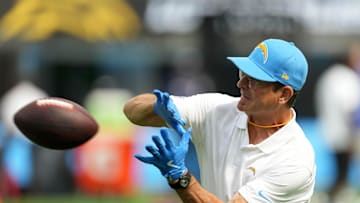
[(275, 60)]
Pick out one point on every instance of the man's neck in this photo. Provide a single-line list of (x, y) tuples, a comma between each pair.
[(262, 127)]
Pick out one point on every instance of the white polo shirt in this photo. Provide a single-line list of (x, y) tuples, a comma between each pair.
[(336, 103), (279, 169)]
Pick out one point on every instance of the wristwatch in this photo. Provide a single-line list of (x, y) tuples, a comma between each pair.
[(183, 182)]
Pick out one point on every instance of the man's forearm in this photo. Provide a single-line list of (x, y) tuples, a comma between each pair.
[(139, 110), (194, 193)]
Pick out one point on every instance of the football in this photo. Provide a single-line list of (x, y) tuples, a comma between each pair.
[(56, 123)]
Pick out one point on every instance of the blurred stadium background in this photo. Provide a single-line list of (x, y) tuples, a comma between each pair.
[(101, 52)]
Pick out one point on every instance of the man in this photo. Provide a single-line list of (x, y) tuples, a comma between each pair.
[(250, 149), (336, 98)]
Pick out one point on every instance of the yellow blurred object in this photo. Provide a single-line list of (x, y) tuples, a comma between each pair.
[(95, 20)]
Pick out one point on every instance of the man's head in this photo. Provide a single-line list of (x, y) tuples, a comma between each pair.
[(275, 60), (271, 76)]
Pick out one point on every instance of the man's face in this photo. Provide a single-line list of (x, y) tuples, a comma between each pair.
[(257, 96)]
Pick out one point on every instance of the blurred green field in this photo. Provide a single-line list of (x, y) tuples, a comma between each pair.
[(139, 198), (350, 196), (74, 199)]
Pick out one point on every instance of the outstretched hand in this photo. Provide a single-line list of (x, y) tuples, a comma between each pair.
[(166, 156), (166, 109)]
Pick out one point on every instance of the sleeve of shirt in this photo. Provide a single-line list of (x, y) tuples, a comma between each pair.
[(287, 185), (194, 109)]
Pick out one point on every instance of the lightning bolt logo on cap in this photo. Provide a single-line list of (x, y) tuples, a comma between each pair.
[(264, 50)]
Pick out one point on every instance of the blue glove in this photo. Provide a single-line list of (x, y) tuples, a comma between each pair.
[(166, 109), (168, 158)]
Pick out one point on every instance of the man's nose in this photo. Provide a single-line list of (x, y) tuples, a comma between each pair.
[(241, 83)]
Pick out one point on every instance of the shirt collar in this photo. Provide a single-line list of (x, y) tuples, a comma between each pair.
[(242, 120)]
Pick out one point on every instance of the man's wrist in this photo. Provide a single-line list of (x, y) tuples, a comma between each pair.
[(182, 182), (174, 176)]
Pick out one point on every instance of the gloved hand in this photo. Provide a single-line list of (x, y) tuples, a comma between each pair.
[(167, 157), (166, 109)]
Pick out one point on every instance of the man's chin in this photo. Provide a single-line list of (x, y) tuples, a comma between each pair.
[(241, 106)]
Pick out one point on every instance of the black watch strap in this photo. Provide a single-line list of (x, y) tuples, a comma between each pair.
[(183, 182)]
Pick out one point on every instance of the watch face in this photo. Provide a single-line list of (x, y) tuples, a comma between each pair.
[(184, 182)]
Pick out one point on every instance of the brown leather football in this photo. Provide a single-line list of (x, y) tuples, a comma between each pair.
[(56, 123)]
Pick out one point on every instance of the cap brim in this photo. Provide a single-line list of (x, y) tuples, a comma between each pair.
[(251, 69)]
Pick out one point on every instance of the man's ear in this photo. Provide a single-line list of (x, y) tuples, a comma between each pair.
[(286, 93)]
